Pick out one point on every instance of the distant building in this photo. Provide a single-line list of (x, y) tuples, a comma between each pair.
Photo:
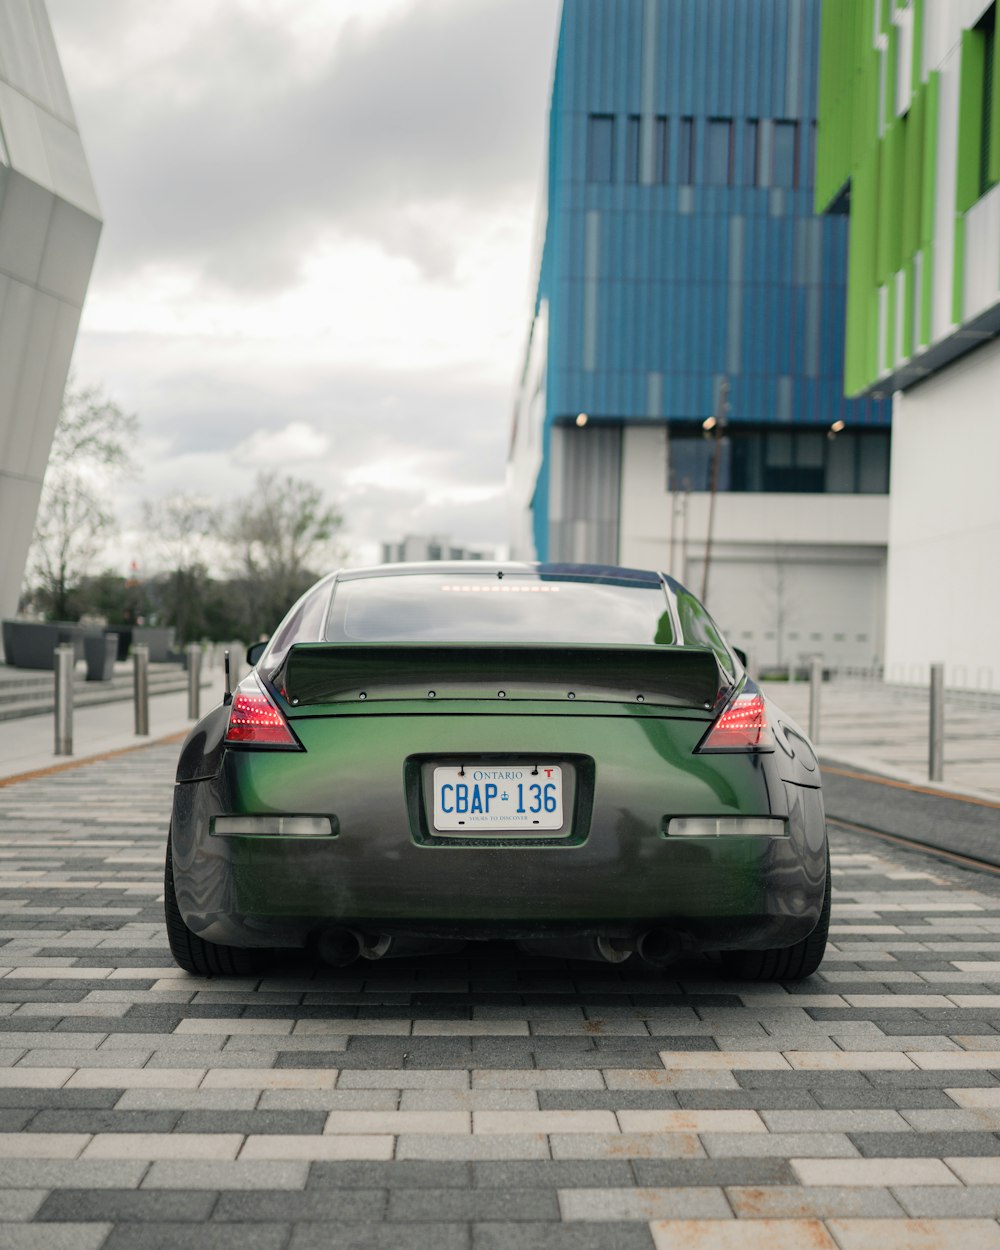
[(49, 226), (909, 146), (680, 249), (418, 547)]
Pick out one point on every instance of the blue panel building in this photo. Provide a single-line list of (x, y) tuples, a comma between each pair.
[(680, 250)]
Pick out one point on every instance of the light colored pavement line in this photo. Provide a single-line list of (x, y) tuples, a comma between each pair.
[(269, 1078), (918, 1234), (884, 1173), (803, 1202), (763, 1234), (465, 1147), (152, 1146), (702, 1202), (975, 1170), (312, 1148), (626, 1146)]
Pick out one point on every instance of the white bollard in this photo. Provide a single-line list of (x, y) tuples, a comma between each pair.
[(65, 663)]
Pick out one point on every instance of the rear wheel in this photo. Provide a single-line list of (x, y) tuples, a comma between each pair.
[(194, 954), (791, 963)]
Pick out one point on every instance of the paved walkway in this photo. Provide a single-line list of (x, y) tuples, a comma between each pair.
[(488, 1100), (886, 729), (27, 745)]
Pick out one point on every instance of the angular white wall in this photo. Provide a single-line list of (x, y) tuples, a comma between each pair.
[(944, 526), (49, 226)]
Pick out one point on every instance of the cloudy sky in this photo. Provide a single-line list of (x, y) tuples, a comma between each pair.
[(318, 244)]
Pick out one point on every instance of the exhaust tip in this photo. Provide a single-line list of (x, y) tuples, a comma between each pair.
[(659, 946), (339, 947)]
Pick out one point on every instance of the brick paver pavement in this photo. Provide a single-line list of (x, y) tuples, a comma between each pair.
[(486, 1100)]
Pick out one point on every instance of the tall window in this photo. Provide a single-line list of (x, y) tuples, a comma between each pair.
[(785, 155), (988, 27), (719, 152), (662, 141), (750, 138), (685, 153), (600, 148), (632, 148)]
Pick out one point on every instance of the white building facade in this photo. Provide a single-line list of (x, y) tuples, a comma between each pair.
[(49, 228)]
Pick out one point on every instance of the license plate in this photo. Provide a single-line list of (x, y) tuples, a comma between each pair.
[(488, 799)]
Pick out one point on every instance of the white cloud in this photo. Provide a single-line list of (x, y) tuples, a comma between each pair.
[(298, 443), (317, 243)]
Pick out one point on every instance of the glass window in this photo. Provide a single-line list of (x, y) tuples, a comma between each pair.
[(303, 623), (600, 148), (779, 451), (700, 630), (480, 607), (784, 155), (840, 458), (662, 141), (873, 464), (987, 27), (685, 152), (632, 149), (690, 461), (809, 449), (750, 137), (718, 152), (809, 178)]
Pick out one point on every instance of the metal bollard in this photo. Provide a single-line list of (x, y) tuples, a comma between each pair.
[(140, 675), (935, 769), (815, 685), (65, 662), (194, 680)]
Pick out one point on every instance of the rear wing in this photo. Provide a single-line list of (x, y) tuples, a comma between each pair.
[(315, 674)]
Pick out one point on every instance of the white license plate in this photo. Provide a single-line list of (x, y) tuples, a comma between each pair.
[(484, 798)]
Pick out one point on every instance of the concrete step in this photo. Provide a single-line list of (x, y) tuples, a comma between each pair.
[(33, 694)]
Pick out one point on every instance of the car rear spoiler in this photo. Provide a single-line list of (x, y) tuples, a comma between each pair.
[(323, 673)]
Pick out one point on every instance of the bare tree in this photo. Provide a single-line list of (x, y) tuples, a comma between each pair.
[(280, 531), (182, 529), (91, 448)]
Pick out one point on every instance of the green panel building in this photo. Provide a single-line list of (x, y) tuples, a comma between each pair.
[(908, 146)]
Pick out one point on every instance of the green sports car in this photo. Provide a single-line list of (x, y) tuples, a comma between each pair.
[(568, 756)]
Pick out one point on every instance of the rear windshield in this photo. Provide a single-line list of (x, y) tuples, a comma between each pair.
[(485, 608)]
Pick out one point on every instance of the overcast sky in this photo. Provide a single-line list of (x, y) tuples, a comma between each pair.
[(318, 244)]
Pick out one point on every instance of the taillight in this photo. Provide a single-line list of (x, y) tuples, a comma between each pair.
[(741, 727), (256, 720)]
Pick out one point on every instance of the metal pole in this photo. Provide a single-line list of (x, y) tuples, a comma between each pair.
[(815, 685), (65, 662), (717, 425), (936, 760), (140, 674), (194, 680)]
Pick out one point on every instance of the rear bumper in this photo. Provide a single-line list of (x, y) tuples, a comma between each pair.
[(622, 877)]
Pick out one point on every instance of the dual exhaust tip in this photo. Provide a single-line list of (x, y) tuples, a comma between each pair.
[(340, 947)]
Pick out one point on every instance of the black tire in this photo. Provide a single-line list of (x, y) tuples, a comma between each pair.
[(791, 963), (194, 954)]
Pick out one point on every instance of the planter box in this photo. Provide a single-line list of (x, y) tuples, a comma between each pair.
[(100, 651), (160, 641), (32, 644)]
